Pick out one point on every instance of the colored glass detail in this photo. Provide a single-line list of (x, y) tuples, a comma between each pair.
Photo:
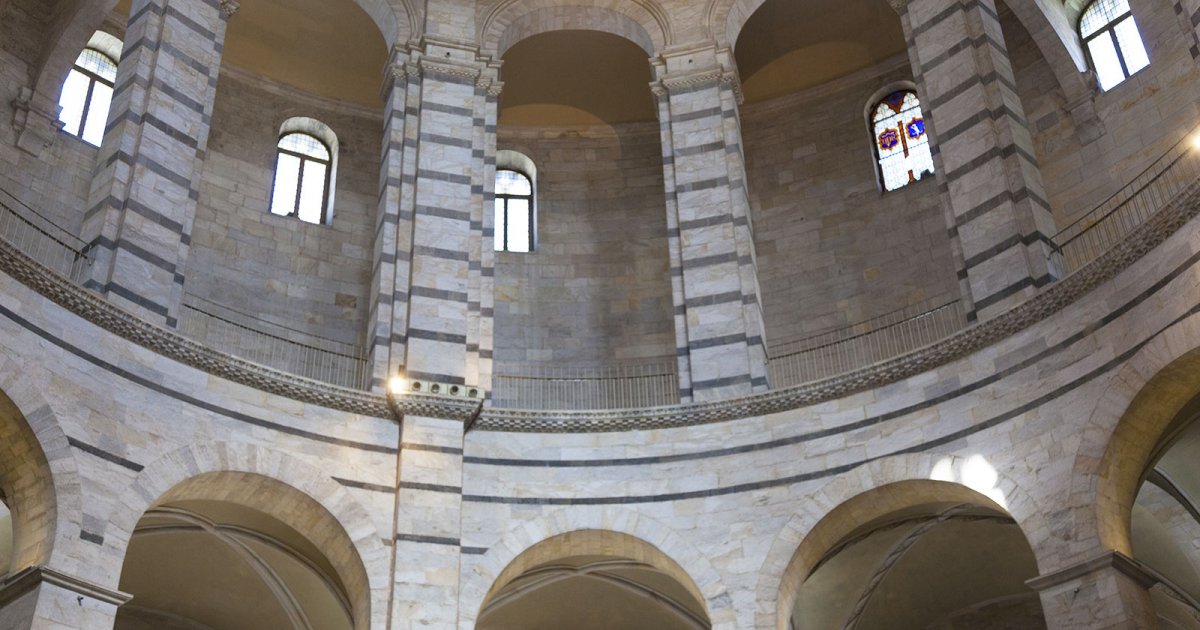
[(902, 147)]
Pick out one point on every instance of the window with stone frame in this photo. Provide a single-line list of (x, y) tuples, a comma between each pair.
[(901, 143), (1113, 42), (514, 212), (302, 178), (87, 96)]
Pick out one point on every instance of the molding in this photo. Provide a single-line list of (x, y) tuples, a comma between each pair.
[(299, 97), (27, 579), (169, 343), (1110, 559)]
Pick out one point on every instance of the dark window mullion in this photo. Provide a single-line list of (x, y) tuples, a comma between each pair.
[(87, 106), (299, 187)]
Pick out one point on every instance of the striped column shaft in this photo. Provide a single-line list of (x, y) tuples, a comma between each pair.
[(447, 191), (683, 362), (987, 169), (143, 198), (715, 261), (427, 541), (481, 287), (390, 289)]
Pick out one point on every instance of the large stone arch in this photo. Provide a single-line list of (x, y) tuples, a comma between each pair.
[(37, 462), (868, 492), (501, 26), (524, 536), (78, 19), (1049, 26), (1125, 426), (281, 486)]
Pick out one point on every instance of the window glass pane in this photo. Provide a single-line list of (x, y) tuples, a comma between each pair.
[(99, 63), (74, 93), (512, 183), (900, 140), (1104, 57), (498, 237), (287, 178), (305, 145), (1100, 13), (312, 194), (93, 130), (1130, 42), (518, 225)]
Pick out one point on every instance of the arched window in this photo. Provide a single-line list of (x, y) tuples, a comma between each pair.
[(901, 144), (514, 211), (1112, 41), (87, 95), (302, 177)]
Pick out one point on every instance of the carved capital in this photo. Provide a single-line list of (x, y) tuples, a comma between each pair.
[(36, 128), (228, 8)]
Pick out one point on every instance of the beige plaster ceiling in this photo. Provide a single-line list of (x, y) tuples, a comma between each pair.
[(329, 48), (593, 593), (564, 78), (787, 45)]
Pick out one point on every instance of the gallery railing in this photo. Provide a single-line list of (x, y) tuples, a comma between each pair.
[(253, 339), (580, 388), (1094, 233), (41, 239), (861, 344)]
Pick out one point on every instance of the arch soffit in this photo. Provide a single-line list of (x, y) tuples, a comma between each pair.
[(1050, 27), (280, 486), (661, 541), (66, 504), (508, 22), (395, 19), (871, 491), (1125, 426)]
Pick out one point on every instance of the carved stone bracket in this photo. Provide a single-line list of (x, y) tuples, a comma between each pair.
[(36, 127)]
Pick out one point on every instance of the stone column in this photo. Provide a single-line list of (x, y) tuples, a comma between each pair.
[(718, 317), (143, 199), (429, 477), (39, 597), (432, 304), (998, 214), (1107, 592)]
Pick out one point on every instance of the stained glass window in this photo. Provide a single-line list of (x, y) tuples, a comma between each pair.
[(901, 143), (301, 178), (87, 96), (1112, 41), (514, 212)]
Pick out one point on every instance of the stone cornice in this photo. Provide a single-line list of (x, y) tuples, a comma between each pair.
[(27, 579), (1108, 559), (167, 342)]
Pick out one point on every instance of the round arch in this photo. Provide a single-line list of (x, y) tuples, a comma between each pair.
[(38, 472), (868, 492), (519, 548), (280, 486), (504, 25), (1127, 424)]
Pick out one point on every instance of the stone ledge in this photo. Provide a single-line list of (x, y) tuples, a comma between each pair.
[(1052, 299), (30, 578)]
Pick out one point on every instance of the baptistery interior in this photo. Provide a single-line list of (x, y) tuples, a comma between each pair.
[(662, 314)]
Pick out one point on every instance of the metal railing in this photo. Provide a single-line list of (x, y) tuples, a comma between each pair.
[(41, 239), (861, 344), (1096, 232), (336, 363), (581, 388)]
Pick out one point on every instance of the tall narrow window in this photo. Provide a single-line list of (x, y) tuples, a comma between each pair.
[(1112, 41), (901, 144), (87, 95), (302, 169), (514, 212)]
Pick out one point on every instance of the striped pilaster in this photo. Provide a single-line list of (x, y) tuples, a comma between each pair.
[(143, 197), (718, 319), (481, 286), (1188, 12), (427, 540), (444, 329), (389, 274), (998, 215)]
